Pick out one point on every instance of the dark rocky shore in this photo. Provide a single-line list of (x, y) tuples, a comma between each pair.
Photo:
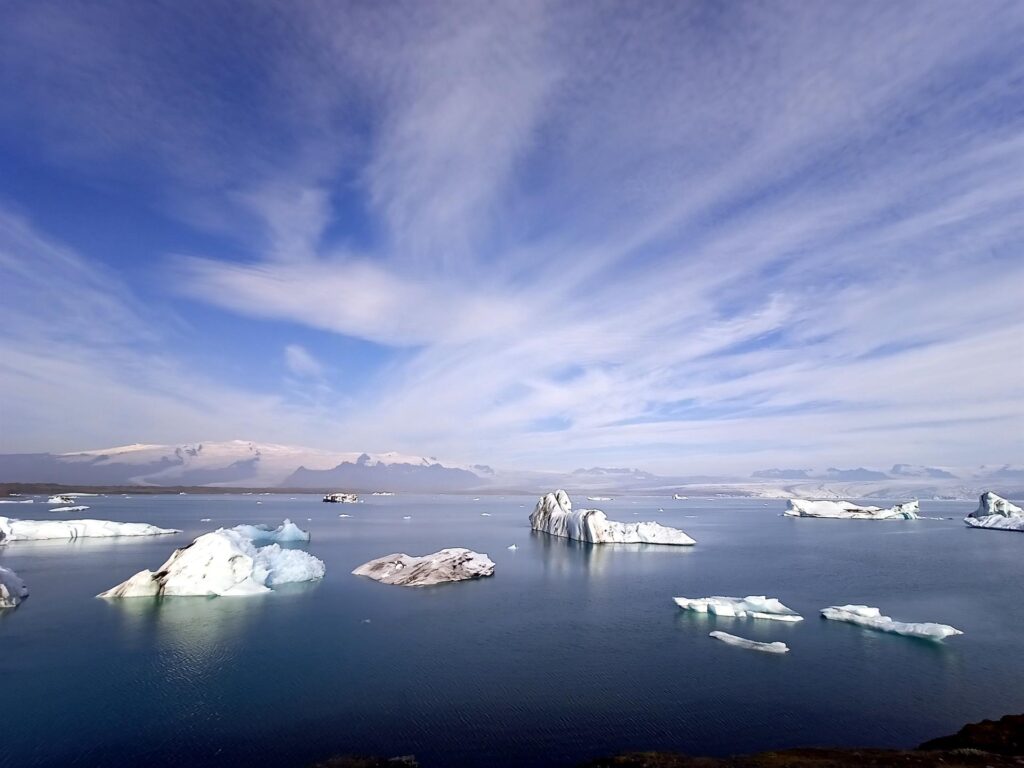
[(992, 743)]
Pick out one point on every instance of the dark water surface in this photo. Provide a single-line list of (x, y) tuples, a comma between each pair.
[(570, 651)]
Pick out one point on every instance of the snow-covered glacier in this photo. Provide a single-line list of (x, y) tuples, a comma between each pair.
[(750, 645), (845, 510), (224, 563), (867, 616), (455, 564), (35, 530), (996, 513), (12, 588), (554, 515), (750, 607), (287, 531)]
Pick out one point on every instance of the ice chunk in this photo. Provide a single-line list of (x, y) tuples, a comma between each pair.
[(446, 565), (17, 501), (996, 513), (554, 515), (287, 531), (62, 499), (845, 510), (750, 645), (341, 498), (512, 547), (33, 530), (69, 509), (12, 588), (750, 607), (866, 616), (224, 563), (599, 498)]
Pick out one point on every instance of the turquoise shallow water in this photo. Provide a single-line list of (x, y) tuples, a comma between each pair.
[(568, 652)]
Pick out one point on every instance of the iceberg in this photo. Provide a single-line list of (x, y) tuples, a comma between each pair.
[(17, 501), (224, 563), (599, 498), (60, 500), (554, 515), (446, 565), (12, 588), (287, 531), (750, 607), (35, 530), (996, 513), (69, 509), (872, 618), (750, 645), (845, 510)]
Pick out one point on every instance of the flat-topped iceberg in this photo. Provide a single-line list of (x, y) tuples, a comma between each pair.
[(750, 607), (455, 564), (996, 513), (17, 501), (224, 563), (80, 508), (554, 515), (36, 530), (286, 531), (750, 645), (12, 588), (872, 618), (845, 510)]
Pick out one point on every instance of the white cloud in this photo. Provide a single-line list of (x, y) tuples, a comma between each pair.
[(301, 362)]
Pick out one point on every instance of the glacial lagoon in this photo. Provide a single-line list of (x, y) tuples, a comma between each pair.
[(569, 651)]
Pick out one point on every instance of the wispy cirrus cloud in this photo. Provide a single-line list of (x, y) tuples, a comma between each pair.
[(693, 237)]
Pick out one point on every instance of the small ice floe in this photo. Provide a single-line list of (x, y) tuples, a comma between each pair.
[(750, 607), (62, 499), (477, 499), (341, 498), (259, 502), (344, 515), (438, 568), (485, 514), (407, 517), (750, 645), (872, 618), (69, 509), (17, 501), (286, 531), (678, 497), (599, 498), (513, 548), (204, 519), (12, 588), (367, 621)]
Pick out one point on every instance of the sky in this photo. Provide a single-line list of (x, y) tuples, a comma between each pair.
[(682, 236)]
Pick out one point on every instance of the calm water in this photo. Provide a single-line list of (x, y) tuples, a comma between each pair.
[(568, 652)]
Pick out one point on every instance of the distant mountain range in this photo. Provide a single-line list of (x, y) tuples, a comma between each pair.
[(240, 463)]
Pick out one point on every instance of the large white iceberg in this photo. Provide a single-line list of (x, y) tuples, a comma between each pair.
[(845, 510), (554, 515), (12, 588), (750, 607), (455, 564), (996, 513), (287, 531), (750, 645), (34, 530), (224, 563), (867, 616)]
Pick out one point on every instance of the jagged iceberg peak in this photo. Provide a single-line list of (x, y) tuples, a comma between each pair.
[(286, 531), (996, 513), (224, 563), (750, 607), (446, 565), (554, 515), (35, 530), (846, 510), (868, 616), (750, 645), (12, 588)]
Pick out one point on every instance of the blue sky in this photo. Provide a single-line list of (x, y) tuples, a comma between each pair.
[(690, 237)]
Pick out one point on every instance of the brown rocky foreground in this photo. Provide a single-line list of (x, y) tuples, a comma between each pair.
[(994, 743)]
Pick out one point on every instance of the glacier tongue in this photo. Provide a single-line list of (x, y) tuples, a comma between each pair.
[(868, 616), (554, 515)]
